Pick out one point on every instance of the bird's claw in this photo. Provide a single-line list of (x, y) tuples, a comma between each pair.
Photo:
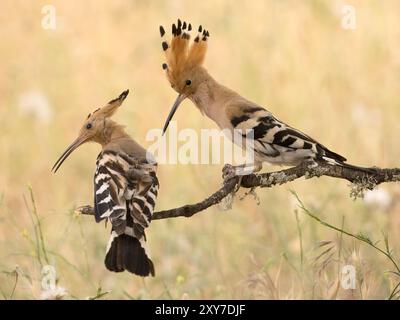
[(228, 172), (87, 210)]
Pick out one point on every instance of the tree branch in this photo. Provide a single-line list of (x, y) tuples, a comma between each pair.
[(361, 180)]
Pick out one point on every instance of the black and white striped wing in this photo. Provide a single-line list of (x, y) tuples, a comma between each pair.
[(276, 142), (109, 189), (142, 204), (116, 193)]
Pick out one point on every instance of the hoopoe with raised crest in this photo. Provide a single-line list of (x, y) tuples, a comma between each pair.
[(272, 140), (126, 201)]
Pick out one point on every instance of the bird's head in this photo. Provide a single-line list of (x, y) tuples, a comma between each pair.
[(184, 61), (95, 128)]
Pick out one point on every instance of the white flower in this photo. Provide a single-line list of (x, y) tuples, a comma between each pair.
[(368, 116), (57, 293), (33, 103), (379, 198)]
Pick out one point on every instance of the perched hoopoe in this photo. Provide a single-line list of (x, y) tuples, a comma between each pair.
[(272, 140), (128, 202)]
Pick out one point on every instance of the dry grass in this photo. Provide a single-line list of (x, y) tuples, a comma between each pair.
[(340, 86)]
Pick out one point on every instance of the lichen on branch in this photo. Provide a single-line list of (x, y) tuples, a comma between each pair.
[(360, 180)]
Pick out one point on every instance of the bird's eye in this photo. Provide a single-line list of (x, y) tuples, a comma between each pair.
[(188, 82), (89, 126)]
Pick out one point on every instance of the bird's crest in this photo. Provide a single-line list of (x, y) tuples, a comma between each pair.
[(180, 54), (110, 108)]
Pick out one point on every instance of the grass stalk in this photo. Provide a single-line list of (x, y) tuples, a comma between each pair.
[(360, 237), (38, 225)]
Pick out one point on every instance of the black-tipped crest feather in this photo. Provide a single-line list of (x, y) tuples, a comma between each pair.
[(180, 54), (121, 97), (162, 31)]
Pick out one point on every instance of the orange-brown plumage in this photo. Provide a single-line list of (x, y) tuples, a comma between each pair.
[(181, 56)]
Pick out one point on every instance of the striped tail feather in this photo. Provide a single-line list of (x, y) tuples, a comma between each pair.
[(125, 252), (336, 162), (358, 168), (336, 159), (333, 155)]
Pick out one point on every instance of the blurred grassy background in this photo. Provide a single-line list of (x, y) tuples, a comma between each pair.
[(340, 86)]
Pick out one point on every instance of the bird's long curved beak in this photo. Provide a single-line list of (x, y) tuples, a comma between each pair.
[(177, 102), (67, 152)]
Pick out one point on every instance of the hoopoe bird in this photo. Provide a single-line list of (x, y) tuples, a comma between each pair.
[(272, 140), (126, 201)]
